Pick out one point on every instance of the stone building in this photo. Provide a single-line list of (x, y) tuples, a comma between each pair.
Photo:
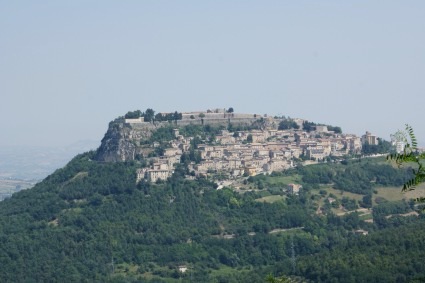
[(294, 189), (154, 174), (370, 139)]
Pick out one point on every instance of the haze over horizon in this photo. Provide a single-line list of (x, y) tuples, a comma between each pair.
[(68, 68)]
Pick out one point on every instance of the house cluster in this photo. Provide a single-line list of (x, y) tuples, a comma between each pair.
[(252, 152)]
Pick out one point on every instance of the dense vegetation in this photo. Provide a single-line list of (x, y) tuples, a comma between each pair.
[(149, 115), (287, 124), (357, 177), (91, 222), (382, 147)]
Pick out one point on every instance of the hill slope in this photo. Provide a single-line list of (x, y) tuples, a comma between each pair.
[(90, 221)]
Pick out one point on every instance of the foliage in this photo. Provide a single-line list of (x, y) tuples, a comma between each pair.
[(356, 177), (364, 258), (349, 204), (149, 115), (367, 200), (382, 147), (85, 214), (201, 133), (410, 154), (236, 128), (163, 134), (249, 138), (91, 222), (309, 126), (160, 117), (133, 114), (335, 129), (287, 124), (192, 155), (271, 279)]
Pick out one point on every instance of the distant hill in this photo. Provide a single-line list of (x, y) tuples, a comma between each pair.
[(36, 162)]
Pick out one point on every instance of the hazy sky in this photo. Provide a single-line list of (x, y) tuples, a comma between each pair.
[(67, 68)]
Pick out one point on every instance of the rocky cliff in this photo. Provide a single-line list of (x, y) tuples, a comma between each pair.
[(122, 140), (115, 145)]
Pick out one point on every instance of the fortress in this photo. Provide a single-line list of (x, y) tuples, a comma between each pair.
[(208, 117)]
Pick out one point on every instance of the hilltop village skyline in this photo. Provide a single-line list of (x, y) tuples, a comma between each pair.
[(242, 144)]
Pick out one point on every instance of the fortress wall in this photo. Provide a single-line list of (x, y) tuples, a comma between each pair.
[(132, 121), (186, 116), (181, 123), (217, 121), (246, 116)]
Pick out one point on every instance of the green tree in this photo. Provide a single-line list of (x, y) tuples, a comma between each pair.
[(249, 138), (133, 114), (288, 124), (309, 126), (383, 146), (337, 130), (149, 115), (158, 117), (177, 116), (367, 200)]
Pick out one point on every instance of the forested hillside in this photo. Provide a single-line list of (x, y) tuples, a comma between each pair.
[(91, 222)]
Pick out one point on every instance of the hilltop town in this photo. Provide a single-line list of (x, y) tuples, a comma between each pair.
[(222, 143)]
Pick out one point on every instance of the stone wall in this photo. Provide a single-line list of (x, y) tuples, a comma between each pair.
[(240, 120), (217, 121)]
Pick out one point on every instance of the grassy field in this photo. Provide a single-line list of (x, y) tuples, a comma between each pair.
[(340, 194), (123, 270), (395, 193), (366, 216), (283, 180), (337, 211), (277, 182), (388, 193), (227, 271), (271, 199), (418, 192)]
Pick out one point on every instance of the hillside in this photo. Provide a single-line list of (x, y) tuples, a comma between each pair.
[(92, 221)]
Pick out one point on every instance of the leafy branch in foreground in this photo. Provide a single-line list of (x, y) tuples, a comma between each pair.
[(410, 154)]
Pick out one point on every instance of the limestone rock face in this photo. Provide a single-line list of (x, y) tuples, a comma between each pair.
[(117, 145)]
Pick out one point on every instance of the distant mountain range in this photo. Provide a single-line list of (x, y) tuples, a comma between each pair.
[(37, 162)]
